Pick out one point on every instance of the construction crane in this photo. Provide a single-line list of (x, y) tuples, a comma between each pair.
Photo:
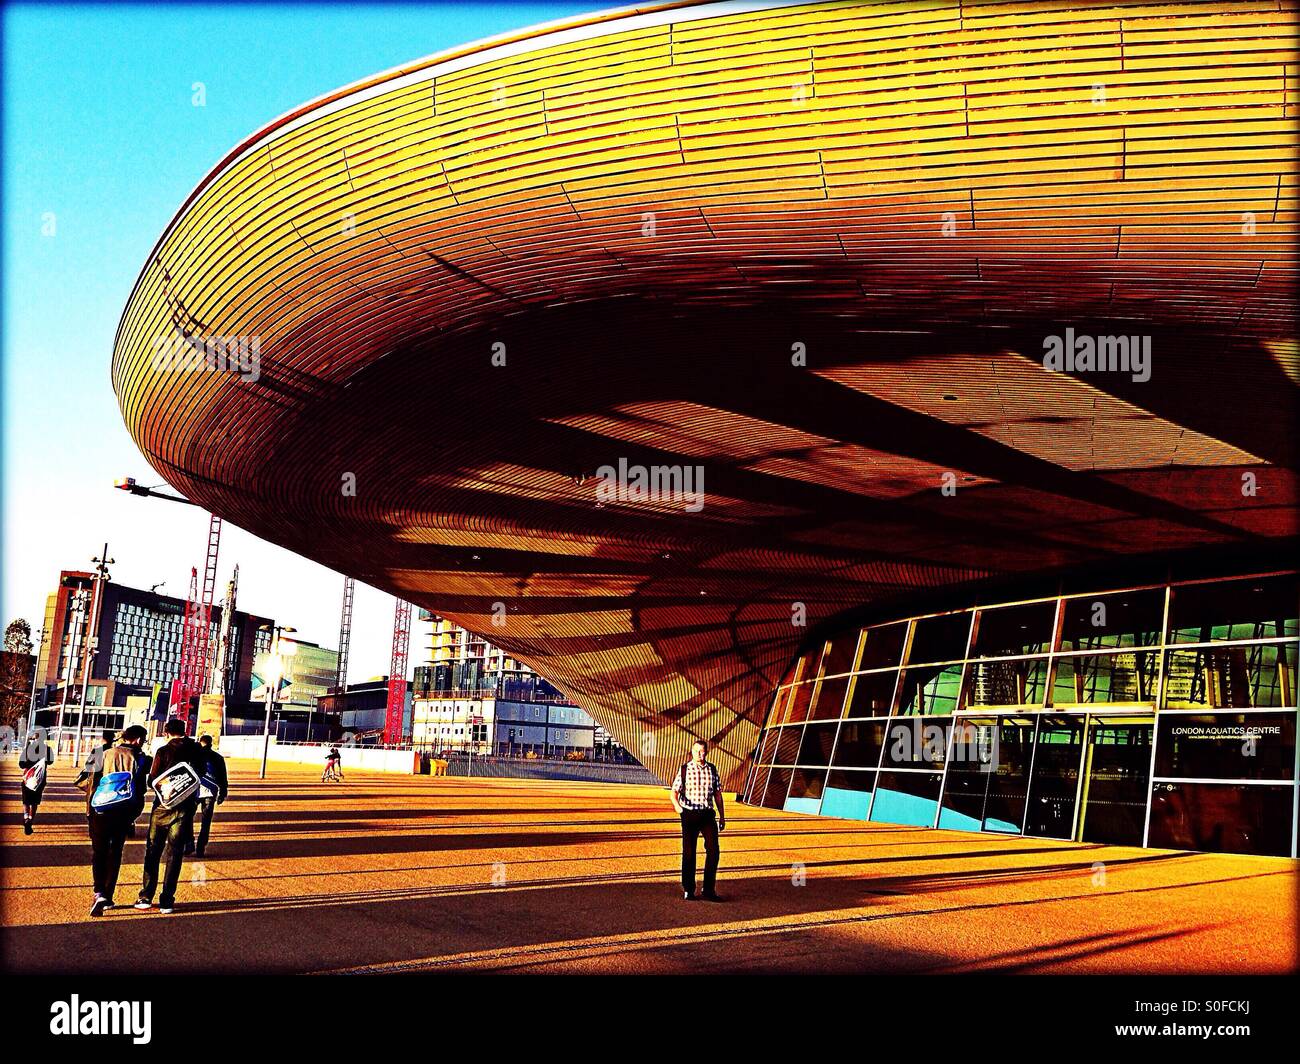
[(345, 636), (196, 636), (397, 673), (183, 685), (221, 670)]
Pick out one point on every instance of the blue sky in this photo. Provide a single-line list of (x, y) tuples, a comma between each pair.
[(101, 145)]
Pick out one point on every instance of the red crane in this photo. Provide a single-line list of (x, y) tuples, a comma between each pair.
[(397, 673), (196, 641)]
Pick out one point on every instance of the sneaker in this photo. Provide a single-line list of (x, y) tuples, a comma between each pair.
[(198, 854), (687, 896), (142, 904), (98, 906), (27, 827), (710, 896), (166, 910)]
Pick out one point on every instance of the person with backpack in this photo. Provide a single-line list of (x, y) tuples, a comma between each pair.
[(174, 779), (697, 788), (212, 792), (115, 800), (94, 760), (36, 756), (93, 770)]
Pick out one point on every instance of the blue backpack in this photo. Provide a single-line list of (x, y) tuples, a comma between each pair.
[(115, 790)]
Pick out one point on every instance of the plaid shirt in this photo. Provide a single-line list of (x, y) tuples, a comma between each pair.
[(702, 783)]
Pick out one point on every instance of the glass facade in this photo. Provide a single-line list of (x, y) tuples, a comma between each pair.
[(311, 672), (1150, 716), (146, 644)]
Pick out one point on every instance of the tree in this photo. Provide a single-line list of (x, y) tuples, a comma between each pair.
[(18, 637), (16, 668)]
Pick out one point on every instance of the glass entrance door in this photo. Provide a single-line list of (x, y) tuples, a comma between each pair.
[(1115, 786), (987, 774), (1054, 776)]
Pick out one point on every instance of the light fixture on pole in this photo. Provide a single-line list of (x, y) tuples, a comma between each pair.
[(77, 622), (129, 484), (274, 671), (31, 705), (91, 642)]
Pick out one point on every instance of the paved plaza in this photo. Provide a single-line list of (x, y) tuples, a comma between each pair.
[(389, 873)]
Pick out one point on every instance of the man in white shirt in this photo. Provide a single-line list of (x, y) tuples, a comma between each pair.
[(696, 790)]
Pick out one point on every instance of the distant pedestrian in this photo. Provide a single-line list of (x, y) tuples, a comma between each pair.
[(212, 791), (146, 762), (116, 799), (697, 788), (94, 759), (92, 769), (333, 766), (174, 778), (37, 755)]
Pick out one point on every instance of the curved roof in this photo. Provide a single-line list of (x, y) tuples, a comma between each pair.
[(816, 250)]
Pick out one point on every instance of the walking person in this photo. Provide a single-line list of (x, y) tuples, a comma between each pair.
[(145, 756), (212, 792), (36, 756), (696, 790), (116, 798), (158, 743), (333, 766), (92, 771), (94, 759), (170, 828)]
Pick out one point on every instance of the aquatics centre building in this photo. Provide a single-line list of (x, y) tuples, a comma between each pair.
[(900, 396)]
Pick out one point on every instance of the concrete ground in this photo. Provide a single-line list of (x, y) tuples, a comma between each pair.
[(400, 874)]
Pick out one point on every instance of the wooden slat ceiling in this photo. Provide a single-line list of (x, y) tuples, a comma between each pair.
[(649, 212)]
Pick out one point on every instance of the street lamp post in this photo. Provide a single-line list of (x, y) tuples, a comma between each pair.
[(129, 484), (274, 663), (31, 710), (75, 625), (92, 640)]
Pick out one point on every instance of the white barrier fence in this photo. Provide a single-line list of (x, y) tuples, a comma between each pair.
[(361, 758)]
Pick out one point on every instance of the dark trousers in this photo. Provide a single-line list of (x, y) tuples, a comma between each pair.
[(170, 830), (206, 808), (107, 837), (694, 823)]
